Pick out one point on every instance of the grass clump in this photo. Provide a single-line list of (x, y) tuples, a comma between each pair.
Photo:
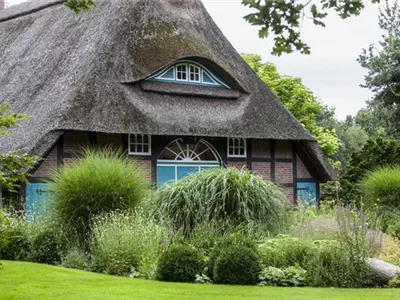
[(102, 181), (382, 187), (180, 263), (128, 242), (222, 194)]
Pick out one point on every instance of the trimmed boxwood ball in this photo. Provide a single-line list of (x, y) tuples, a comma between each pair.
[(180, 263), (229, 195), (237, 264)]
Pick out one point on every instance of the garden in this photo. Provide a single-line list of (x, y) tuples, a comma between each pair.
[(218, 227)]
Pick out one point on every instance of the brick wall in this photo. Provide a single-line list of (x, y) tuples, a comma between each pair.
[(75, 141), (288, 191), (237, 164), (260, 148), (302, 172), (109, 139), (284, 172), (48, 165), (262, 168), (283, 149)]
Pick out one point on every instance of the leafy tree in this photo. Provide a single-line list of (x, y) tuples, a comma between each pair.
[(298, 99), (377, 152), (383, 65), (14, 164)]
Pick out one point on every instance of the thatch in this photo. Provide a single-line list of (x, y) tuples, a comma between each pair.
[(83, 72)]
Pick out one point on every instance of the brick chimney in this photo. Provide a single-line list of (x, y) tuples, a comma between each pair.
[(2, 4)]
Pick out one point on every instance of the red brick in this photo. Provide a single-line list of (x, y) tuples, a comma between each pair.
[(302, 171), (284, 172), (283, 149), (288, 191), (48, 165), (237, 164), (260, 148), (75, 141), (109, 139), (262, 168)]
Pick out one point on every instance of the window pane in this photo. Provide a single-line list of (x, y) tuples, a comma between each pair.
[(139, 148), (139, 139), (145, 139), (145, 149), (236, 143), (241, 142), (241, 151)]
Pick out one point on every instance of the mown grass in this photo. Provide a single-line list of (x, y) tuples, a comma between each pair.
[(21, 280)]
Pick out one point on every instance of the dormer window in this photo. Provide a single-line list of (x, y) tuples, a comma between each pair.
[(194, 73), (189, 72), (181, 72)]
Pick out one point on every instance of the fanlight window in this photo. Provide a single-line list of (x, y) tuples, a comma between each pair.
[(189, 72), (179, 160)]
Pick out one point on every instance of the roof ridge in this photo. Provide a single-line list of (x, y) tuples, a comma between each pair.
[(30, 11)]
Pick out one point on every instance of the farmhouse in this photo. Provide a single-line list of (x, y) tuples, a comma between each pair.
[(155, 77)]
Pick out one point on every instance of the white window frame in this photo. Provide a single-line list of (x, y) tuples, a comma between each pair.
[(239, 147), (130, 143), (186, 72), (199, 73)]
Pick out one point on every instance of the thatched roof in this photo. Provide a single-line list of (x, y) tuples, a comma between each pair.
[(83, 72)]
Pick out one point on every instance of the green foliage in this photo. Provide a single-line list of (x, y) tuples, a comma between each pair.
[(394, 229), (298, 99), (284, 19), (46, 248), (180, 263), (237, 264), (383, 62), (290, 276), (379, 152), (102, 181), (221, 194), (223, 244), (123, 241), (13, 165), (382, 187), (394, 283), (78, 6), (75, 258)]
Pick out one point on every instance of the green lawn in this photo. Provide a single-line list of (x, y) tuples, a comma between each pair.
[(19, 280)]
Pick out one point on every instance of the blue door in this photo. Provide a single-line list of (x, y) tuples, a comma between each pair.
[(38, 198), (307, 192)]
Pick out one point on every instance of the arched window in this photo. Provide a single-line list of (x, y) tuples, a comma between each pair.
[(189, 72), (179, 160)]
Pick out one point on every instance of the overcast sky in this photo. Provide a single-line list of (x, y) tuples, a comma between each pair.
[(331, 71)]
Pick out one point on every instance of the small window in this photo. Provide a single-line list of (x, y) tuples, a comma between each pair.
[(236, 147), (194, 73), (181, 72), (139, 144)]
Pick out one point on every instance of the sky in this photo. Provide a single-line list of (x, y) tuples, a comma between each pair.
[(330, 71)]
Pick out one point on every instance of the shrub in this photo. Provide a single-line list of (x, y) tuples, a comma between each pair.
[(382, 187), (46, 248), (223, 244), (75, 259), (394, 283), (102, 181), (394, 229), (14, 244), (237, 264), (390, 250), (290, 276), (180, 263), (222, 194), (125, 240)]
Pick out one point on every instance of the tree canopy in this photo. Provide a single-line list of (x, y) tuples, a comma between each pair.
[(383, 65), (14, 164), (298, 99)]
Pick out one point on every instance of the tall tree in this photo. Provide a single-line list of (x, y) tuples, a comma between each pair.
[(298, 99), (282, 18), (383, 64)]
